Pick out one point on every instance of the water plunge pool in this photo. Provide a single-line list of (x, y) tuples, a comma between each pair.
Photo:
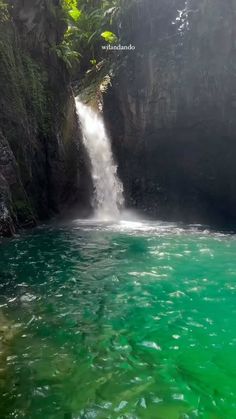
[(134, 320)]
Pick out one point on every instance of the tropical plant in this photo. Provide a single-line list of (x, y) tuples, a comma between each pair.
[(66, 53), (89, 23), (4, 15), (109, 37), (71, 8)]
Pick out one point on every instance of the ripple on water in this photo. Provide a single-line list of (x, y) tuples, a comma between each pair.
[(134, 320)]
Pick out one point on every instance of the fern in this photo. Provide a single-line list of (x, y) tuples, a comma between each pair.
[(88, 23)]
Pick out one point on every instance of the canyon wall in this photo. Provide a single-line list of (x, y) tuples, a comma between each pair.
[(41, 164), (171, 110)]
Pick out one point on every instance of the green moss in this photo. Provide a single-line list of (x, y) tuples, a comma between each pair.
[(10, 76), (34, 91), (23, 83)]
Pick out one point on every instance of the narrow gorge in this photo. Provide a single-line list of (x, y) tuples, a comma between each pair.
[(117, 209)]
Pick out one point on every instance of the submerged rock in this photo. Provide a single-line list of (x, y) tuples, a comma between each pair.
[(8, 329), (8, 332)]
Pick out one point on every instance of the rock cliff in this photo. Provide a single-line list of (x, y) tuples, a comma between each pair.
[(171, 110), (39, 138)]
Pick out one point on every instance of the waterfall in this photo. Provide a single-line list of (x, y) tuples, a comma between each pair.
[(108, 197)]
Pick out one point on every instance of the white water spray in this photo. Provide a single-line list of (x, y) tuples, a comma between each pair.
[(108, 199)]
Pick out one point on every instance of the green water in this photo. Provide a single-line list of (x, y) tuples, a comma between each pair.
[(131, 321)]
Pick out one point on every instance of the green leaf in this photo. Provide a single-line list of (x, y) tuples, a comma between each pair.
[(75, 14), (93, 62), (109, 37)]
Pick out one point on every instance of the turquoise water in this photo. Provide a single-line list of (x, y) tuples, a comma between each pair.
[(136, 320)]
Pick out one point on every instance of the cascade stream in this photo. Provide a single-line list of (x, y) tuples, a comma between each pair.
[(108, 199)]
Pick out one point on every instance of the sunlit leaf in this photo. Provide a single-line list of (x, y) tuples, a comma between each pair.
[(109, 37), (75, 14)]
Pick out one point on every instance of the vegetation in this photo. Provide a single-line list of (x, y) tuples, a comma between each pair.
[(4, 15), (89, 24), (22, 84)]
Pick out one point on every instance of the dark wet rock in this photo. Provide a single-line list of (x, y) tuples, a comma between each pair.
[(171, 111), (42, 166), (7, 227), (12, 192)]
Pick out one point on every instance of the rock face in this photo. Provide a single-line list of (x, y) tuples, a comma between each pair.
[(40, 153), (171, 110), (10, 185)]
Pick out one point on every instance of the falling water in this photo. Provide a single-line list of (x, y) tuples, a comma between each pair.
[(108, 199)]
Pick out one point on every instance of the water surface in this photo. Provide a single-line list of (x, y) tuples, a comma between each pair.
[(134, 320)]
